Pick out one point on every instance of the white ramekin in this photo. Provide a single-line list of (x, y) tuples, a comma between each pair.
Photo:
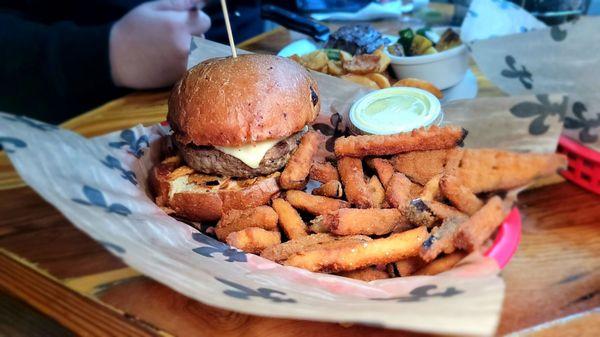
[(444, 69)]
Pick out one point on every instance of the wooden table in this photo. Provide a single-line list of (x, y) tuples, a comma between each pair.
[(56, 281)]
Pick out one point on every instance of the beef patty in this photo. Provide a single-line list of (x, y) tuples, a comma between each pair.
[(209, 160)]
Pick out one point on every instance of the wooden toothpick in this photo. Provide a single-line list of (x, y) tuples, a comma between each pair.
[(228, 27)]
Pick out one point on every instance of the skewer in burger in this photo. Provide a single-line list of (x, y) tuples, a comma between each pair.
[(235, 123)]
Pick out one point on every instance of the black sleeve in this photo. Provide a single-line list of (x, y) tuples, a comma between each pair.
[(53, 72)]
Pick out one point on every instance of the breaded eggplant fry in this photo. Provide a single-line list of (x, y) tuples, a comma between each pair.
[(289, 220), (442, 264), (314, 204), (443, 211), (332, 189), (317, 225), (353, 178), (253, 239), (427, 212), (432, 138), (409, 265), (441, 239), (283, 251), (420, 166), (419, 214), (383, 168), (235, 220), (485, 170), (377, 192), (295, 174), (431, 190), (367, 274), (323, 172), (398, 191), (459, 195), (475, 231), (357, 255), (372, 221)]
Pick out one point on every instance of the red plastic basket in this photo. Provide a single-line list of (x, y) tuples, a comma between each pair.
[(584, 164)]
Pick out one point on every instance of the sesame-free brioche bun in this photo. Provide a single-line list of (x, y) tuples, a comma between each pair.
[(237, 101)]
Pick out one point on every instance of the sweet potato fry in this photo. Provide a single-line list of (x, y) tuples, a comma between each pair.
[(442, 264), (475, 231), (253, 239), (431, 190), (367, 274), (485, 170), (295, 174), (421, 84), (353, 178), (459, 195), (323, 172), (409, 265), (331, 189), (383, 168), (356, 255), (420, 166), (314, 204), (235, 220), (289, 220), (372, 221), (398, 191), (376, 191), (441, 239), (432, 138), (282, 251)]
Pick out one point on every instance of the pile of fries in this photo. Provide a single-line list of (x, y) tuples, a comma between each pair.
[(364, 69), (398, 205)]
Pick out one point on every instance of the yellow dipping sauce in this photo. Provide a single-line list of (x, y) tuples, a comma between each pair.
[(394, 110)]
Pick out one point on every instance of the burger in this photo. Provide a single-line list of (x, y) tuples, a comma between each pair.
[(235, 123)]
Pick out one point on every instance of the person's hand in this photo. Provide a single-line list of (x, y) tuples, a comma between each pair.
[(149, 45)]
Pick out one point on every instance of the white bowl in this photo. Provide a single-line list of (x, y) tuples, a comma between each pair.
[(444, 69)]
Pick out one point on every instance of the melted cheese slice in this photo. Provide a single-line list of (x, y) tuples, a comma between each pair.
[(251, 154)]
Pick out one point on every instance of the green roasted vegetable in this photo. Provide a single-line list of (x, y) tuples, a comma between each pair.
[(332, 54), (406, 39), (396, 49)]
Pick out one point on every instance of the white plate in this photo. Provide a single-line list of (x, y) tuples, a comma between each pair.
[(465, 89)]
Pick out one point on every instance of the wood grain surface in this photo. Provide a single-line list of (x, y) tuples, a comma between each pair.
[(78, 313)]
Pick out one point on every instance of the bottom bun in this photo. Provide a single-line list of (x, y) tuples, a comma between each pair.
[(184, 193)]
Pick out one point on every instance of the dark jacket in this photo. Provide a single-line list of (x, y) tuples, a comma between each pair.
[(54, 61)]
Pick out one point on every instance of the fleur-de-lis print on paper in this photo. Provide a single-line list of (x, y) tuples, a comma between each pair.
[(523, 75), (582, 122), (217, 247), (335, 130), (540, 111), (245, 293), (113, 163), (96, 198), (10, 144), (423, 292), (31, 122), (135, 145)]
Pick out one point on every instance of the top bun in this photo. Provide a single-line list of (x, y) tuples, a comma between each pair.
[(236, 101)]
